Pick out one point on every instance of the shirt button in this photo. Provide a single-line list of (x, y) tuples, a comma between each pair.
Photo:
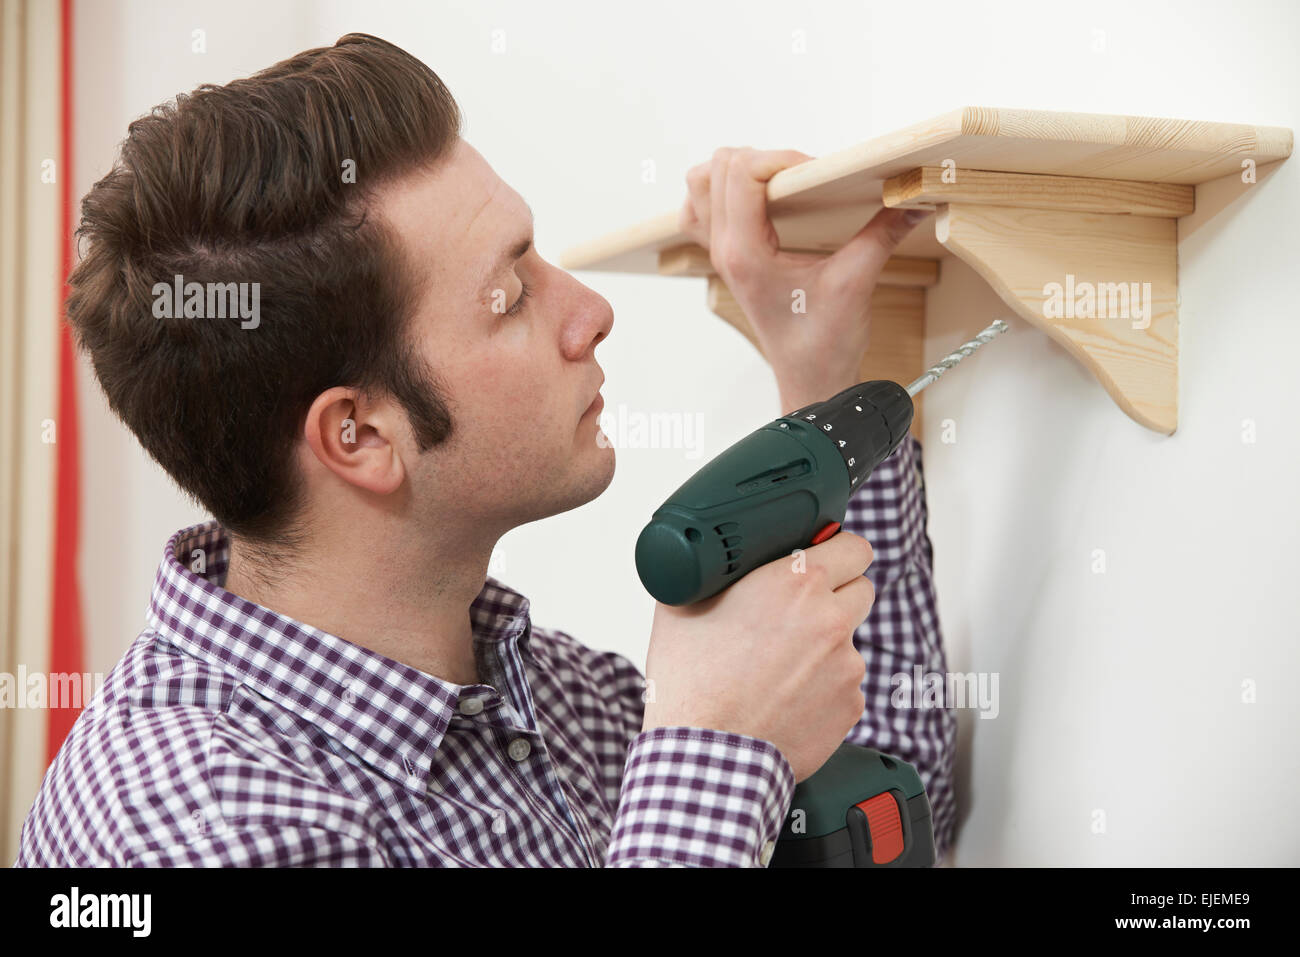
[(519, 749), (471, 706), (765, 857)]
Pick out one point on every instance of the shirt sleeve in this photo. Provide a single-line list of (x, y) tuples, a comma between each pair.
[(901, 638), (675, 796), (696, 797)]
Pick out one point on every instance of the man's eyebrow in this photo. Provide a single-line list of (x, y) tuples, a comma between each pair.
[(508, 256)]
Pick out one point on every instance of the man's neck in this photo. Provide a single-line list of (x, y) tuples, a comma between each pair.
[(406, 600)]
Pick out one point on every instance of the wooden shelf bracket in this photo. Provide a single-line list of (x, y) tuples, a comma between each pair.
[(1093, 263)]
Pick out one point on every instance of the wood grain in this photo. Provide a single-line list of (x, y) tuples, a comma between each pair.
[(929, 186), (1020, 251)]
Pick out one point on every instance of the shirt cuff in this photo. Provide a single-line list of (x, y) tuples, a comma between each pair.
[(697, 797)]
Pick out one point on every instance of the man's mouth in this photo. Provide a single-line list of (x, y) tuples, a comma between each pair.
[(597, 403)]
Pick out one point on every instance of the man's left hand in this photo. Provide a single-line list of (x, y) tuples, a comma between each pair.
[(815, 352)]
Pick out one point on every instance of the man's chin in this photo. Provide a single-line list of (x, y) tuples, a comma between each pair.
[(602, 473), (592, 473), (599, 473)]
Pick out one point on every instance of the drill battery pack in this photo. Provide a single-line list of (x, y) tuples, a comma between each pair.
[(871, 810)]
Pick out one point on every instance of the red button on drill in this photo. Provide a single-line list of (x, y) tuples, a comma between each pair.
[(826, 533), (885, 826)]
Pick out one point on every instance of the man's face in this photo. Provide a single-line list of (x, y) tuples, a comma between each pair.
[(520, 386)]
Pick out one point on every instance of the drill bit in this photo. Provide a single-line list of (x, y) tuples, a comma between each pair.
[(950, 360)]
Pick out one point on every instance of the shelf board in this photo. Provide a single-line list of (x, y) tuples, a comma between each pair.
[(1073, 181), (821, 203)]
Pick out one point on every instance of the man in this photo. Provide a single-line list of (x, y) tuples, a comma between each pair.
[(327, 675)]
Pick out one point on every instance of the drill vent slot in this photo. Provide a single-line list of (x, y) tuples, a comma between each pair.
[(729, 535), (774, 477)]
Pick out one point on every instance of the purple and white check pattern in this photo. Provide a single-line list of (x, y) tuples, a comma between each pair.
[(902, 631), (231, 735)]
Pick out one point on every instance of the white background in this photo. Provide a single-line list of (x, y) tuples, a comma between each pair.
[(1119, 692)]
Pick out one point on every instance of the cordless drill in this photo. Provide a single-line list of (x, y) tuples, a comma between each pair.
[(783, 487)]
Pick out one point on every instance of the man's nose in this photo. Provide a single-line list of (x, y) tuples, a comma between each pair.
[(593, 318)]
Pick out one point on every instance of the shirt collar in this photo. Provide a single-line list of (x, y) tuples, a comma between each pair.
[(390, 714)]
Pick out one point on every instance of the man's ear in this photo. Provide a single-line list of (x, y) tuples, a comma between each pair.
[(356, 438)]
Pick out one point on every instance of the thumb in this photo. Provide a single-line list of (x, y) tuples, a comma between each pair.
[(862, 258)]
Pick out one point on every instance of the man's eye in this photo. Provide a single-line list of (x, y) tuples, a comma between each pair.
[(524, 293)]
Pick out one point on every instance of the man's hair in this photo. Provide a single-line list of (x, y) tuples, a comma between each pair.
[(248, 182)]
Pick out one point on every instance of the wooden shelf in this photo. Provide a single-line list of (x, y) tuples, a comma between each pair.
[(1028, 199)]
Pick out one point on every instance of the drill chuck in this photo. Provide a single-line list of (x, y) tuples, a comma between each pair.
[(865, 422)]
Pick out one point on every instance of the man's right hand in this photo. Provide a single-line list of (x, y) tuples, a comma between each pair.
[(772, 656)]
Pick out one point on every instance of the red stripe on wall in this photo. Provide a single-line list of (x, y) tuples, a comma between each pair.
[(66, 652)]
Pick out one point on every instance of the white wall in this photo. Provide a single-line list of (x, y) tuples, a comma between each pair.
[(128, 58), (1120, 691)]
